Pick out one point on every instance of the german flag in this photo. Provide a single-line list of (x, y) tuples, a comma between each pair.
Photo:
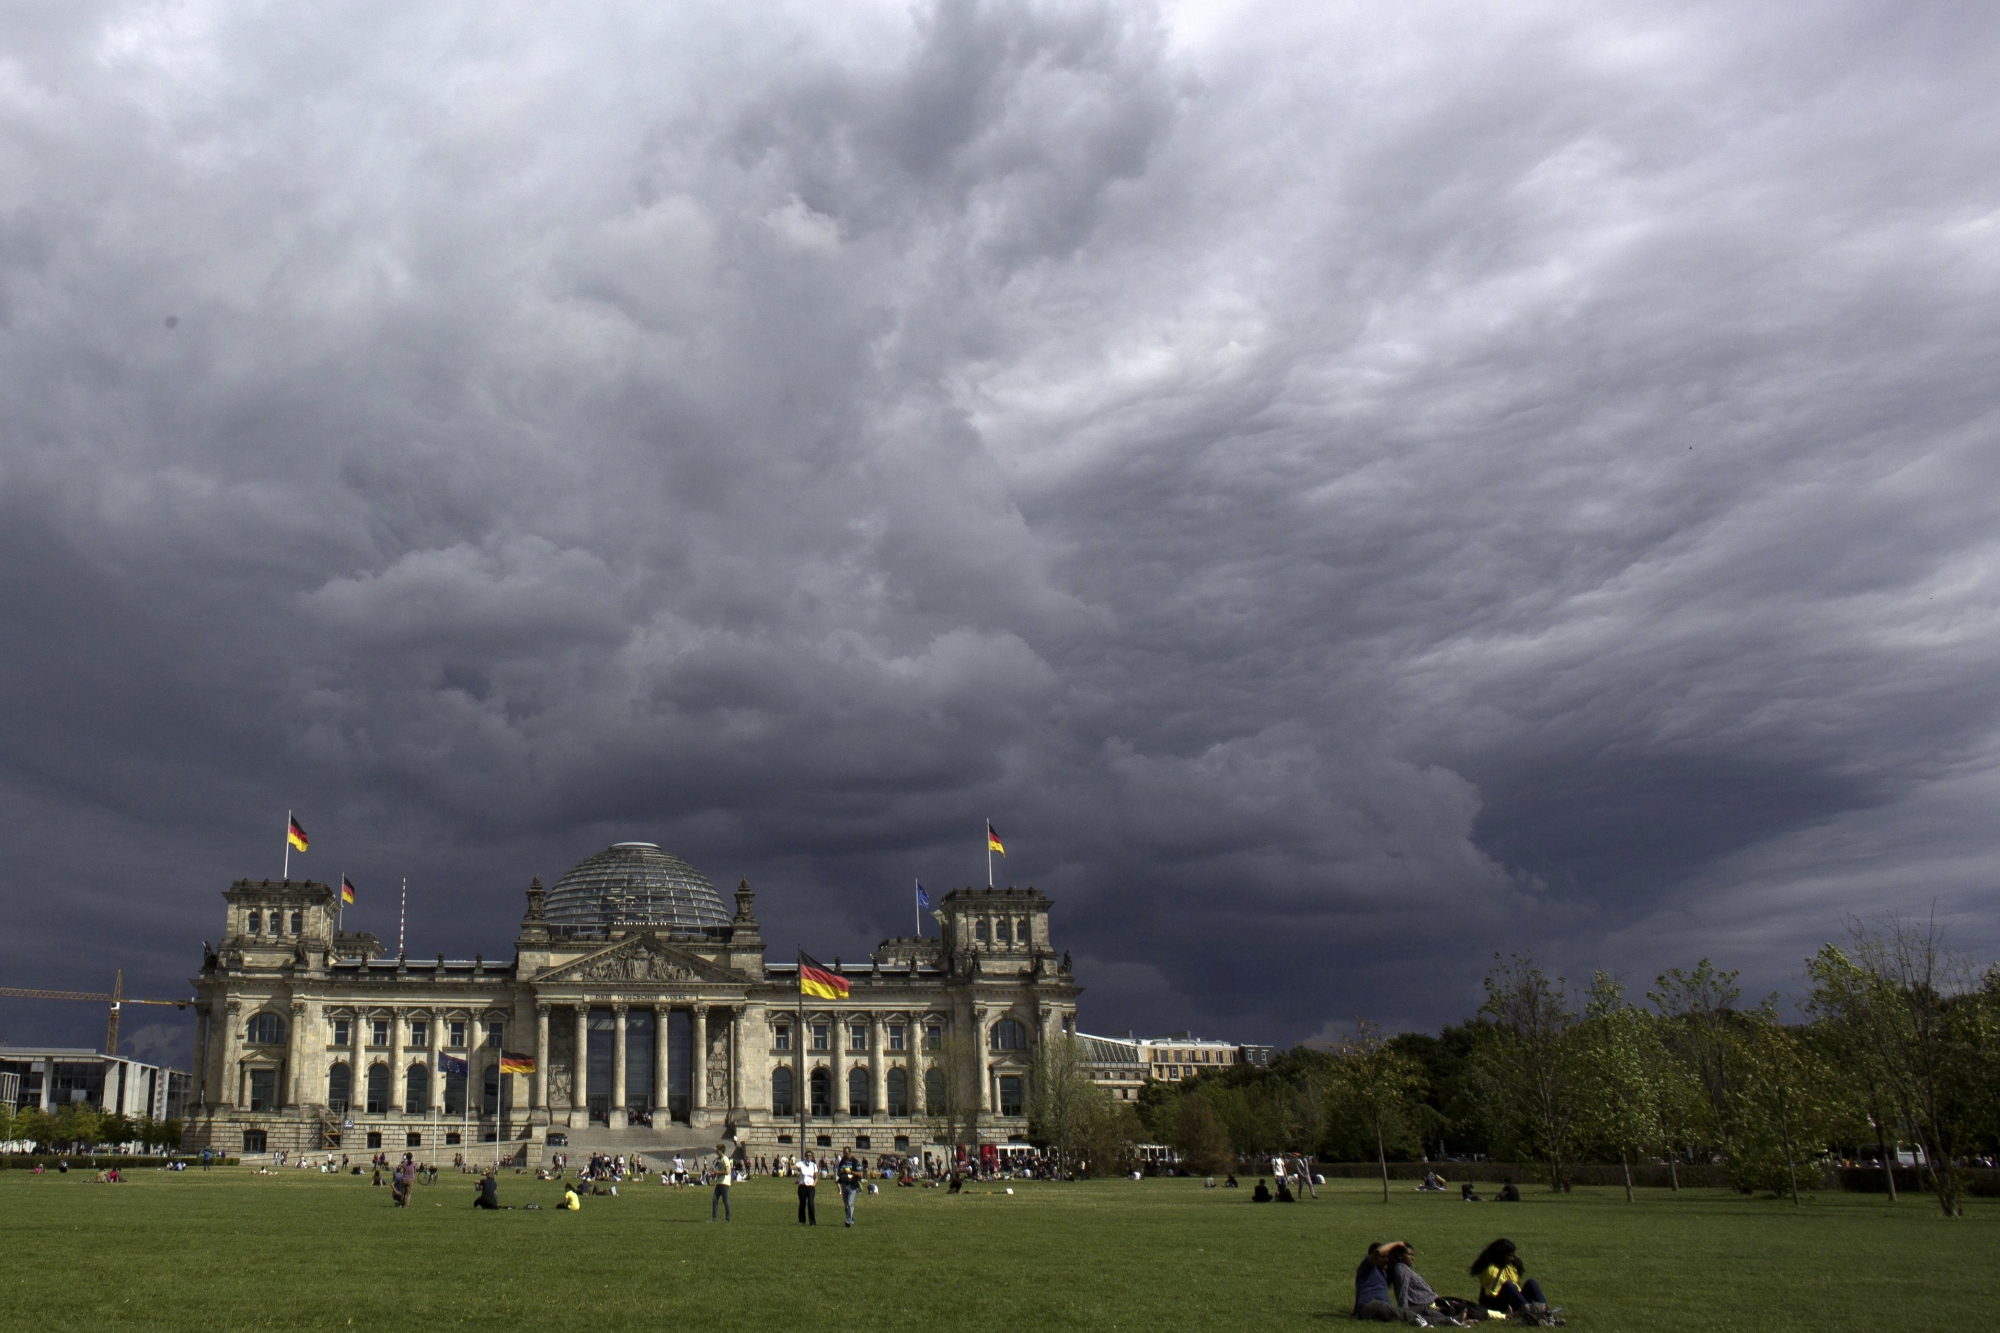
[(510, 1063), (993, 843), (346, 891), (816, 980), (294, 834)]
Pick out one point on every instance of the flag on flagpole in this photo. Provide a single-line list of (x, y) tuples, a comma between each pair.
[(346, 891), (993, 843), (510, 1063), (923, 899), (816, 980), (295, 835), (451, 1064)]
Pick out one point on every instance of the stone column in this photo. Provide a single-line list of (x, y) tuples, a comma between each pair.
[(878, 1070), (538, 1094), (836, 1077), (357, 1072), (399, 1082), (579, 1083), (201, 1027), (295, 1055), (662, 1108), (435, 1027), (618, 1065), (980, 1035), (232, 1040), (698, 1070), (753, 1032), (736, 1059)]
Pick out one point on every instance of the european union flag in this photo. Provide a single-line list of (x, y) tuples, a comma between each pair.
[(923, 899), (450, 1064)]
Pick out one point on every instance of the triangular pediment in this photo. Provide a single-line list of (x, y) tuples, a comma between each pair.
[(642, 960)]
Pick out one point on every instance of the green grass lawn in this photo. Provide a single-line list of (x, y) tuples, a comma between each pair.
[(232, 1250)]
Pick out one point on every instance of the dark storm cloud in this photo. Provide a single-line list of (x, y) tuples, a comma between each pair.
[(1344, 494)]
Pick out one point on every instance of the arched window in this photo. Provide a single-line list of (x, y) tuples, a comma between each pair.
[(454, 1093), (339, 1086), (781, 1093), (821, 1087), (978, 929), (1009, 1035), (489, 1100), (899, 1091), (378, 1089), (1010, 1094), (256, 923), (857, 1091), (265, 1030), (1004, 931), (298, 923), (934, 1091), (1021, 934), (417, 1090)]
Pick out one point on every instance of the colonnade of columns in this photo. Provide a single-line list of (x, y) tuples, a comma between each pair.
[(700, 1103)]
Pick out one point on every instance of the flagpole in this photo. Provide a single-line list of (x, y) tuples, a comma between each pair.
[(401, 912), (989, 851), (917, 909), (288, 844), (339, 896)]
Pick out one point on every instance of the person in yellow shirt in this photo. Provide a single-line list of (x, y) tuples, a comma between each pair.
[(1502, 1285), (570, 1203)]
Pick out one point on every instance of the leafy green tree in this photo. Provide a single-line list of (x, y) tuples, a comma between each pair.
[(1533, 1063), (1700, 1032), (1378, 1088), (1619, 1059), (171, 1131), (1114, 1128), (77, 1125), (1199, 1137), (1064, 1104), (33, 1125), (1789, 1102), (1855, 1013), (116, 1129), (6, 1122)]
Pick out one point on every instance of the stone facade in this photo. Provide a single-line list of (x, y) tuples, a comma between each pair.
[(310, 1039)]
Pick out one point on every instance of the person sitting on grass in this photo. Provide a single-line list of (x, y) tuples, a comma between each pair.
[(1285, 1194), (489, 1192), (1415, 1299), (1230, 1183), (570, 1203), (1502, 1284), (1510, 1193), (1262, 1194), (1372, 1297)]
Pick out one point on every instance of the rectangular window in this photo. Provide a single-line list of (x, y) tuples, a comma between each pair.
[(413, 1140), (822, 1037), (861, 1142), (902, 1143), (494, 1031), (452, 1139), (374, 1138), (253, 1140), (895, 1036), (263, 1089), (456, 1031), (781, 1037), (342, 1033), (378, 1032), (933, 1035), (420, 1033), (857, 1038), (1010, 1094)]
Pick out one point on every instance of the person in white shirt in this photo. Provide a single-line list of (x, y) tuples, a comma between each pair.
[(808, 1187)]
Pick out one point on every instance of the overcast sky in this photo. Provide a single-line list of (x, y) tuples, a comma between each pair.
[(1346, 488)]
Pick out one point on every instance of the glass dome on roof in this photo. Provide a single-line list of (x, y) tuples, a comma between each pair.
[(634, 884)]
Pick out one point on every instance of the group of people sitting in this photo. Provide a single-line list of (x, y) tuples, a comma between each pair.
[(1388, 1287)]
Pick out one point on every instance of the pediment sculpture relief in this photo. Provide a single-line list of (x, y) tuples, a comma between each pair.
[(637, 966)]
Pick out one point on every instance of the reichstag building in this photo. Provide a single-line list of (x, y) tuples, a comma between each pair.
[(637, 1010)]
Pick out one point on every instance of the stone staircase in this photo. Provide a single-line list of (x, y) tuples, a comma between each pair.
[(657, 1144)]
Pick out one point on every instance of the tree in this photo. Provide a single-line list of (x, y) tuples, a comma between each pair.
[(6, 1122), (1620, 1057), (1854, 1012), (1114, 1128), (1064, 1104), (1788, 1102), (77, 1125), (1532, 1061), (1377, 1088), (954, 1114), (1698, 1029), (1199, 1136), (34, 1126), (116, 1129)]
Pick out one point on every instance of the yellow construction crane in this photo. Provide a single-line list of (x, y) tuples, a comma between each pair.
[(117, 997)]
